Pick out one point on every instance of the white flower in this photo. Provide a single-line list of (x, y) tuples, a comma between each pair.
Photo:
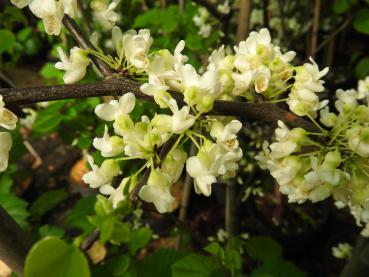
[(261, 79), (75, 65), (179, 122), (173, 164), (136, 47), (114, 109), (305, 102), (142, 138), (342, 251), (204, 168), (100, 176), (205, 30), (226, 134), (242, 82), (51, 12), (109, 146), (20, 3), (308, 77), (8, 120), (104, 12), (6, 143), (358, 140), (327, 118), (157, 191), (116, 195), (363, 88), (346, 99), (224, 8), (70, 7)]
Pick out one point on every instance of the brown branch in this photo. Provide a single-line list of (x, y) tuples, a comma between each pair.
[(14, 243), (84, 43), (243, 25), (117, 86)]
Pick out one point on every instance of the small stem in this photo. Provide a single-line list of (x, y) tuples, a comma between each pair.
[(229, 204), (315, 28)]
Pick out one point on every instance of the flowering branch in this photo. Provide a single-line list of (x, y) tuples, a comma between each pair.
[(117, 86)]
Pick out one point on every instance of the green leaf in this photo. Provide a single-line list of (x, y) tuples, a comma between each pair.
[(263, 248), (342, 6), (361, 21), (7, 40), (107, 228), (53, 231), (15, 207), (194, 42), (47, 201), (195, 265), (213, 248), (118, 265), (278, 268), (159, 263), (139, 238), (103, 206), (121, 233), (77, 217), (362, 68), (47, 122), (53, 257)]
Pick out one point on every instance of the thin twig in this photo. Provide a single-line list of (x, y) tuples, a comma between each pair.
[(315, 28), (344, 25), (84, 43), (6, 79), (187, 189), (181, 6), (229, 206)]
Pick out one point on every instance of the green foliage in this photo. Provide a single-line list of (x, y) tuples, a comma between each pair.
[(47, 201), (7, 41), (77, 217), (269, 253), (362, 68), (342, 6), (50, 231), (15, 206), (361, 21), (197, 266), (139, 239), (56, 258)]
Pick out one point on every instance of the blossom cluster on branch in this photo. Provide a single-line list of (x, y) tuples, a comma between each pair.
[(332, 161)]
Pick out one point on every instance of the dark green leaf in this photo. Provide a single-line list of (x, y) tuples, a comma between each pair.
[(362, 68), (139, 239), (263, 248), (7, 40), (77, 218), (47, 201), (195, 265), (361, 21)]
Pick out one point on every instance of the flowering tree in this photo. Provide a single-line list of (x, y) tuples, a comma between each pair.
[(317, 151)]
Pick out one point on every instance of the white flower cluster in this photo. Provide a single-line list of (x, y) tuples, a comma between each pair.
[(105, 13), (342, 251), (303, 99), (50, 11), (8, 120), (314, 166), (201, 20)]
